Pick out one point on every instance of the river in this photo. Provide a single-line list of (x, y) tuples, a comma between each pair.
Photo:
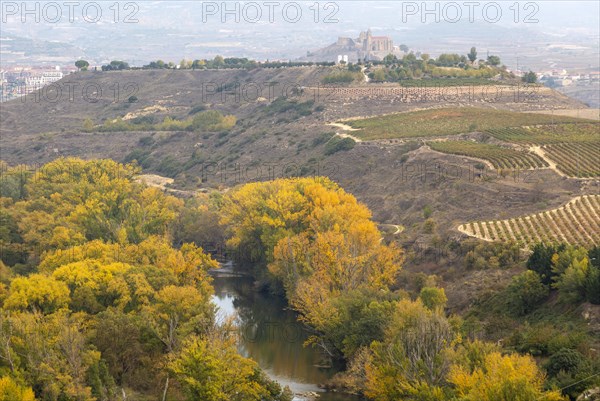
[(271, 335)]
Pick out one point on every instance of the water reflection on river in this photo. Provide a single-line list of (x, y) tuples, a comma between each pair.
[(271, 335)]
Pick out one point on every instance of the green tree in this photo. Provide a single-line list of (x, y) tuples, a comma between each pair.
[(379, 75), (493, 60), (540, 261), (82, 65), (530, 77), (525, 292), (472, 55), (218, 62), (572, 283), (433, 298)]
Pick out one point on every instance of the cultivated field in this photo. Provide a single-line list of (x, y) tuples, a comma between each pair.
[(580, 160), (549, 134), (576, 223), (448, 121), (500, 157)]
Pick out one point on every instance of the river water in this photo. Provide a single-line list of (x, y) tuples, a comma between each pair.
[(271, 335)]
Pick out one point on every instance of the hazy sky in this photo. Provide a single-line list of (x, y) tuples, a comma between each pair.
[(196, 29)]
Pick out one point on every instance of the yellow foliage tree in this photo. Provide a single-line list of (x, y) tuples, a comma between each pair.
[(502, 378), (10, 390), (37, 293), (70, 201)]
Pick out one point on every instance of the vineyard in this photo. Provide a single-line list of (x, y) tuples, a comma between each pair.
[(576, 223), (449, 121), (549, 134), (580, 160), (574, 148), (501, 157)]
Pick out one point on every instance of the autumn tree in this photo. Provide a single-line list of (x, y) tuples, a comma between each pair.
[(502, 378), (413, 359), (10, 390), (37, 293), (211, 369), (315, 240)]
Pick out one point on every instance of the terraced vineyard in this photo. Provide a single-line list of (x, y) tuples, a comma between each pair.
[(574, 148), (576, 223), (576, 159), (501, 157), (549, 133)]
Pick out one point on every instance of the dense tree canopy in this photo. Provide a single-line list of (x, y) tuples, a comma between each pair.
[(94, 295)]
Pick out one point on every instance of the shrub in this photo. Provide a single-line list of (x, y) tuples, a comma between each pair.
[(342, 77), (197, 109), (339, 144), (427, 212), (567, 360), (429, 226), (320, 140), (433, 298), (146, 141)]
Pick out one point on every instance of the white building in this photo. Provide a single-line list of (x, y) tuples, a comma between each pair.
[(38, 81)]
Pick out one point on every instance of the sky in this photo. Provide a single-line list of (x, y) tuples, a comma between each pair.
[(142, 30)]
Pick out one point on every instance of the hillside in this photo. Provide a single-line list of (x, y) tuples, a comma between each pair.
[(292, 136)]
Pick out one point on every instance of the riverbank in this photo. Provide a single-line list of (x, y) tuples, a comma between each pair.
[(271, 335)]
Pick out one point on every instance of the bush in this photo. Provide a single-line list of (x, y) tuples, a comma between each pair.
[(339, 144), (342, 77), (146, 141), (571, 371), (573, 282), (320, 139), (433, 298), (197, 109), (429, 226), (427, 211), (567, 360)]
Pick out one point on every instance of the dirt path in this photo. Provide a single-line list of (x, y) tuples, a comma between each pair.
[(160, 182), (399, 228), (155, 180), (540, 152), (346, 127), (367, 79)]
